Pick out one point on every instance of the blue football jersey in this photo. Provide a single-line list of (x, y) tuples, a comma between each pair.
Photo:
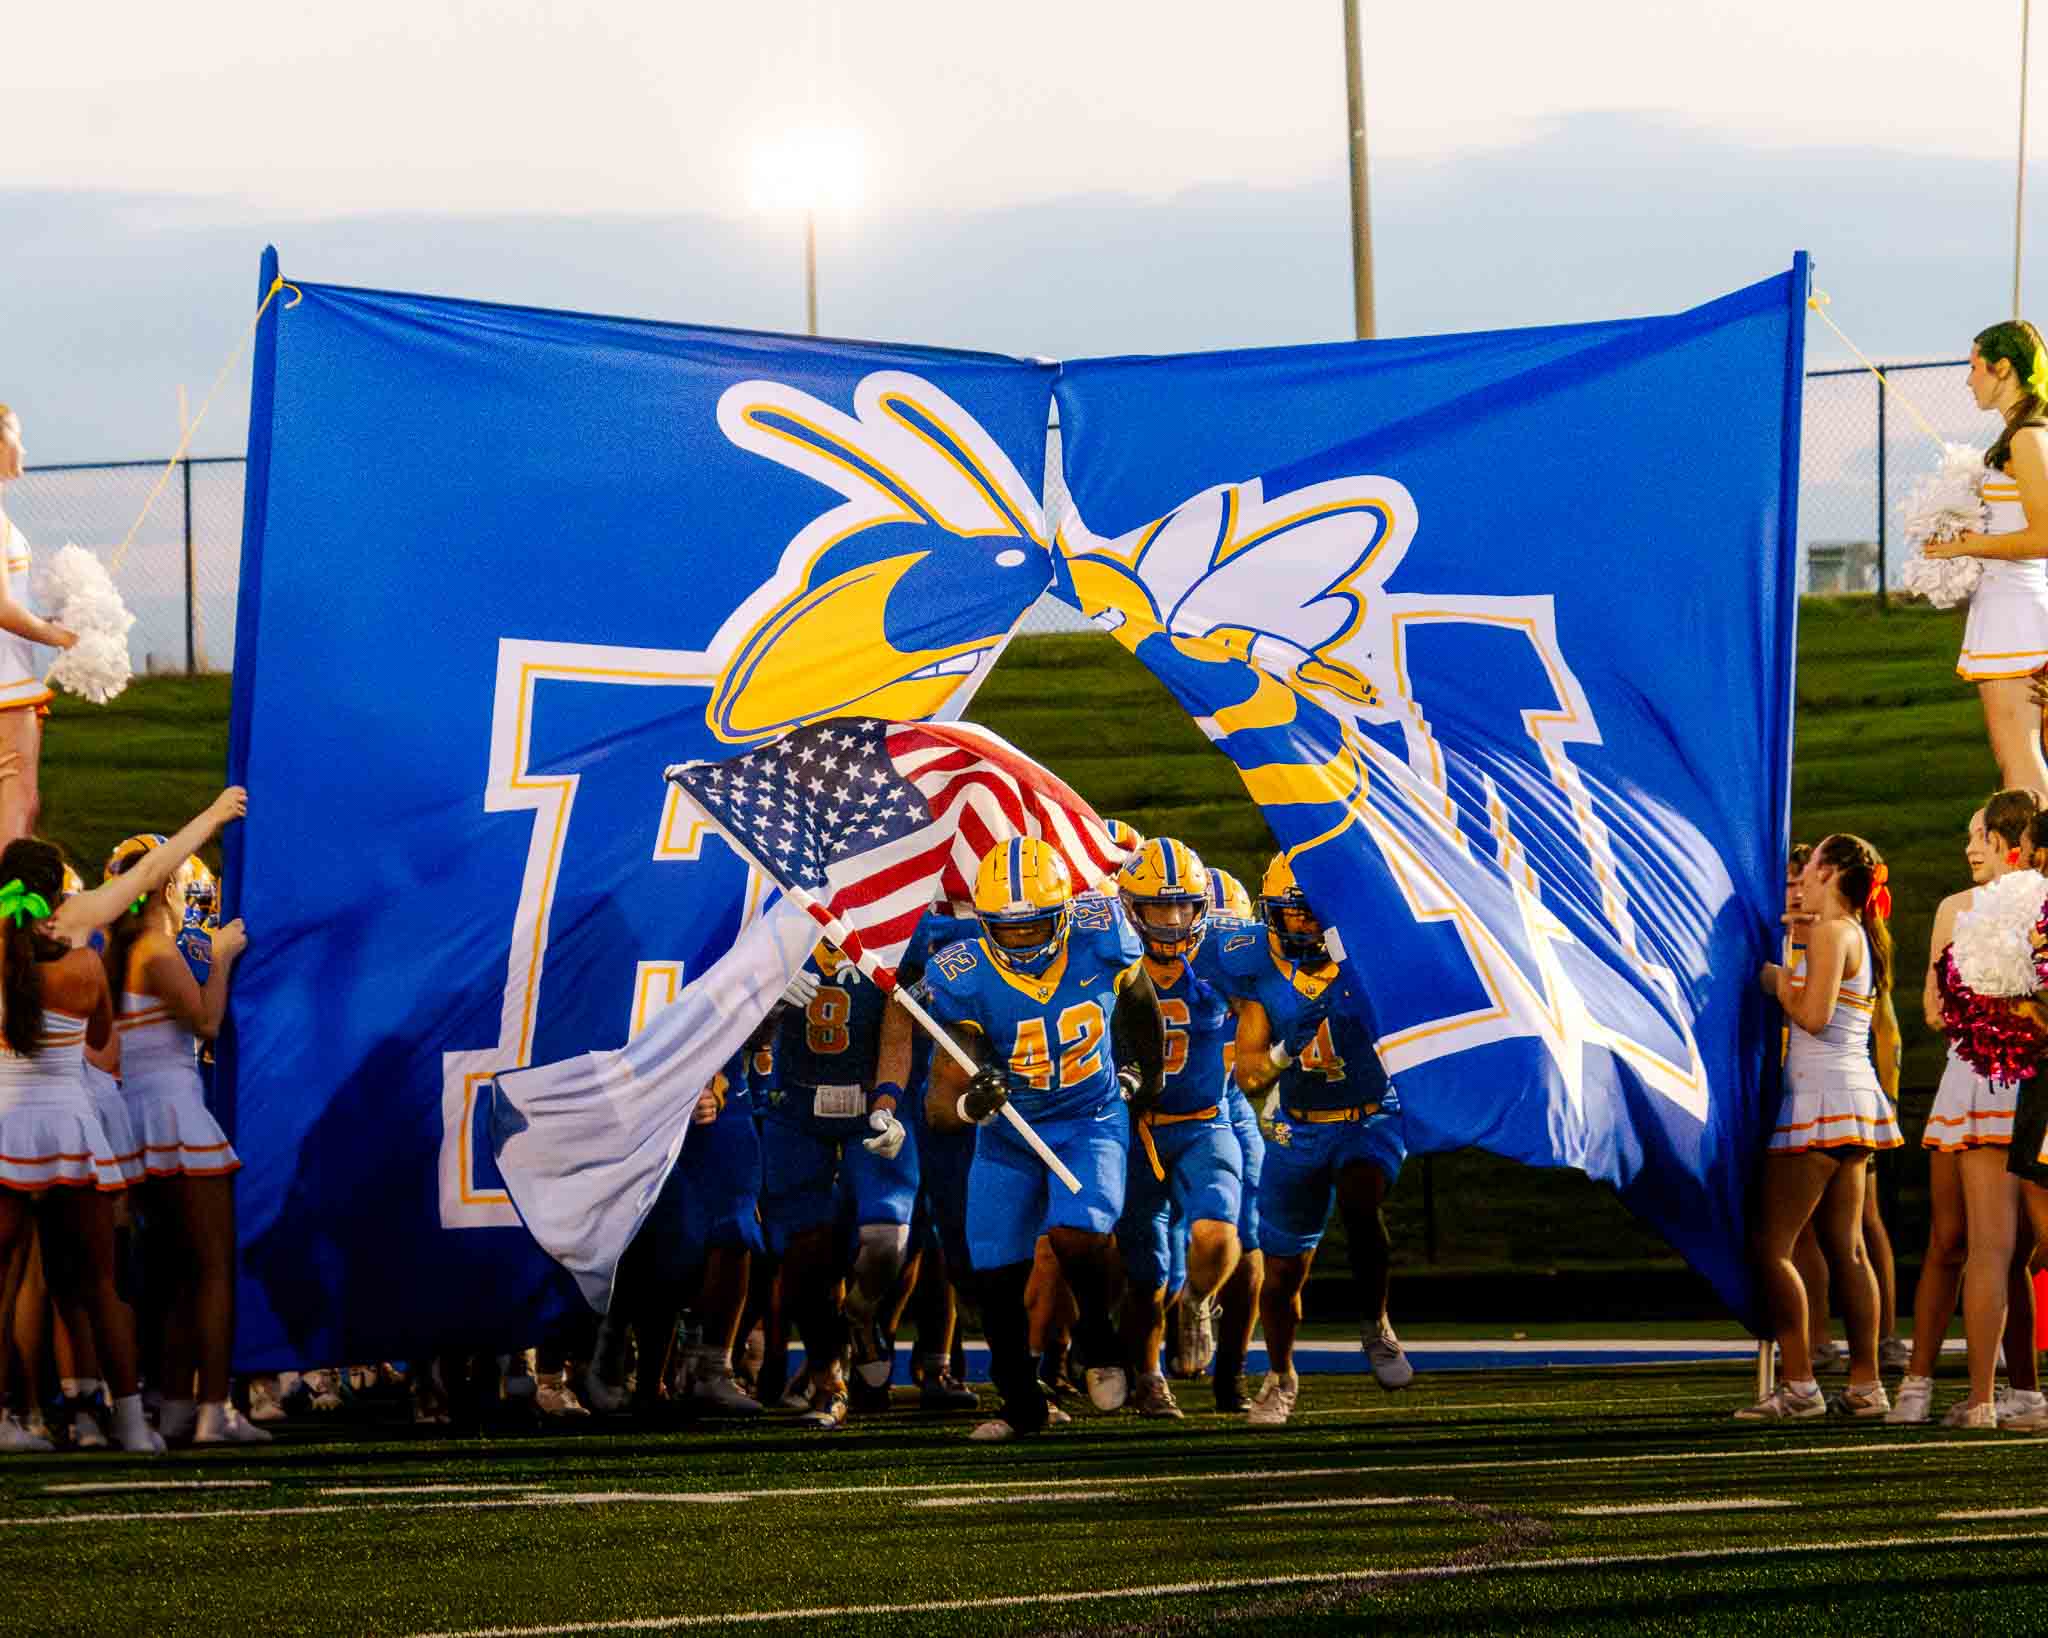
[(1200, 1029), (833, 1040), (195, 944), (1050, 1033), (1338, 1068)]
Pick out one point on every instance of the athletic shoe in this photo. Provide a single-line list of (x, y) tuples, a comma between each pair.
[(265, 1403), (606, 1398), (39, 1427), (1155, 1398), (1275, 1402), (1196, 1337), (874, 1361), (1784, 1404), (1230, 1395), (1830, 1356), (325, 1387), (2013, 1403), (995, 1432), (556, 1400), (797, 1396), (1390, 1367), (1915, 1402), (16, 1440), (1963, 1414), (224, 1425), (1107, 1387), (131, 1432), (1861, 1399), (720, 1395), (827, 1411), (2032, 1421), (82, 1416), (944, 1393), (1894, 1354)]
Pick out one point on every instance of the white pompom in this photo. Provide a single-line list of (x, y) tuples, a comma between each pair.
[(1994, 938), (1946, 503), (76, 592)]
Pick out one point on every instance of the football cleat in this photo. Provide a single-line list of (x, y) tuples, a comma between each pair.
[(1165, 893), (719, 1395), (1021, 895), (1275, 1402), (1107, 1387), (556, 1400), (1197, 1340), (1227, 894), (828, 1408), (1383, 1352), (1295, 929), (606, 1398), (874, 1361), (945, 1393)]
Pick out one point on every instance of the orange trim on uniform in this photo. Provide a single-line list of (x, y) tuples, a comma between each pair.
[(1153, 1117)]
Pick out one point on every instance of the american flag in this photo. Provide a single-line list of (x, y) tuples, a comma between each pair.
[(868, 823)]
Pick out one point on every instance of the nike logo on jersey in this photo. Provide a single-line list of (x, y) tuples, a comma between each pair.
[(1087, 981)]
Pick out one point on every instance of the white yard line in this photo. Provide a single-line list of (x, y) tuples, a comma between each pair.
[(101, 1487), (421, 1489), (1724, 1504), (1364, 1573), (1996, 1513), (1321, 1502), (1406, 1406), (1020, 1496), (566, 1498)]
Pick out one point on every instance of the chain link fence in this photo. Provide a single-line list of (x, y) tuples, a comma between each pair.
[(179, 573)]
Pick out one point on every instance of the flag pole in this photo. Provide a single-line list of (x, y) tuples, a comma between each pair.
[(842, 935)]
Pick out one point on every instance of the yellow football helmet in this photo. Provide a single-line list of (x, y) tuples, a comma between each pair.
[(194, 881), (73, 882), (1165, 892), (1227, 894), (829, 957), (1294, 927), (202, 893), (1021, 894), (1127, 840)]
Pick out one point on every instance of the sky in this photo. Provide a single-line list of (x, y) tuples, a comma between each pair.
[(1112, 176)]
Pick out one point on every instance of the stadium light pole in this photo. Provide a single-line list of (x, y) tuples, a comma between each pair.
[(1361, 209), (810, 171), (2019, 192)]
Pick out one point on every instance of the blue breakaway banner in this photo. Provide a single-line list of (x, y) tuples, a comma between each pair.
[(502, 567), (1498, 630)]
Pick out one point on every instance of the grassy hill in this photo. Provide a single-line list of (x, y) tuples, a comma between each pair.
[(1890, 745)]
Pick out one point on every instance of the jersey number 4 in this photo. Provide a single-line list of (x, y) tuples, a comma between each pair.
[(1081, 1042)]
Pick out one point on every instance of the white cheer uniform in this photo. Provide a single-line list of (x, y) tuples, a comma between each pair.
[(2007, 632), (21, 661), (111, 1107), (1832, 1099), (49, 1135), (167, 1103), (1970, 1111)]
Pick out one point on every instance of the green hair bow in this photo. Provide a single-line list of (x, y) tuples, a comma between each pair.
[(18, 902)]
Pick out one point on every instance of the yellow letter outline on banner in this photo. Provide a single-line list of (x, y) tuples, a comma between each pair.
[(511, 786)]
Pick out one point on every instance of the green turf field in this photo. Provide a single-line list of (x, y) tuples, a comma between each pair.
[(1889, 744), (1469, 1503)]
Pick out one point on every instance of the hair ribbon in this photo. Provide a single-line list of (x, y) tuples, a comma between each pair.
[(1880, 900), (2037, 376), (19, 903)]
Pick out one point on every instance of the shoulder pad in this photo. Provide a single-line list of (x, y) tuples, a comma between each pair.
[(1094, 913), (953, 963)]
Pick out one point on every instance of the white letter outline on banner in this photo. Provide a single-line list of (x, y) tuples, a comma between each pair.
[(523, 665), (1197, 571)]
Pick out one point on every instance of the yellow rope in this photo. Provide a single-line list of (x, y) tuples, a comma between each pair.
[(1818, 303), (185, 443)]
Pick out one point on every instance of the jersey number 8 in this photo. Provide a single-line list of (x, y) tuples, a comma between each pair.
[(825, 1019)]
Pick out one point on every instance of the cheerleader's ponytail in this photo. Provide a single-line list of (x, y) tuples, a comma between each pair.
[(1864, 881)]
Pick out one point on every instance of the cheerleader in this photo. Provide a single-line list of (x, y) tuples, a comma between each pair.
[(1975, 1212), (23, 696), (58, 1172), (2006, 637), (162, 1014), (1836, 1113)]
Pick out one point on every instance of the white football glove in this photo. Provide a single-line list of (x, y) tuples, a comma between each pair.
[(801, 989), (887, 1142)]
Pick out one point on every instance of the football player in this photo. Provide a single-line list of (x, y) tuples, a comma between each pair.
[(1055, 996), (827, 1130), (1186, 1154), (1337, 1129), (1237, 1305)]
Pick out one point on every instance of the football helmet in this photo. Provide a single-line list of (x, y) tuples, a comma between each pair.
[(202, 893), (1227, 894), (1294, 927), (829, 957), (73, 882), (1021, 894), (1126, 838), (1165, 892)]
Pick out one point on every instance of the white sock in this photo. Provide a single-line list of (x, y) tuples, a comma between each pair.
[(129, 1426), (1806, 1387)]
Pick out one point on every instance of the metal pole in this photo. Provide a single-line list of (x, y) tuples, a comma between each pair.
[(1361, 209), (1883, 603), (191, 579), (2019, 192), (811, 271)]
